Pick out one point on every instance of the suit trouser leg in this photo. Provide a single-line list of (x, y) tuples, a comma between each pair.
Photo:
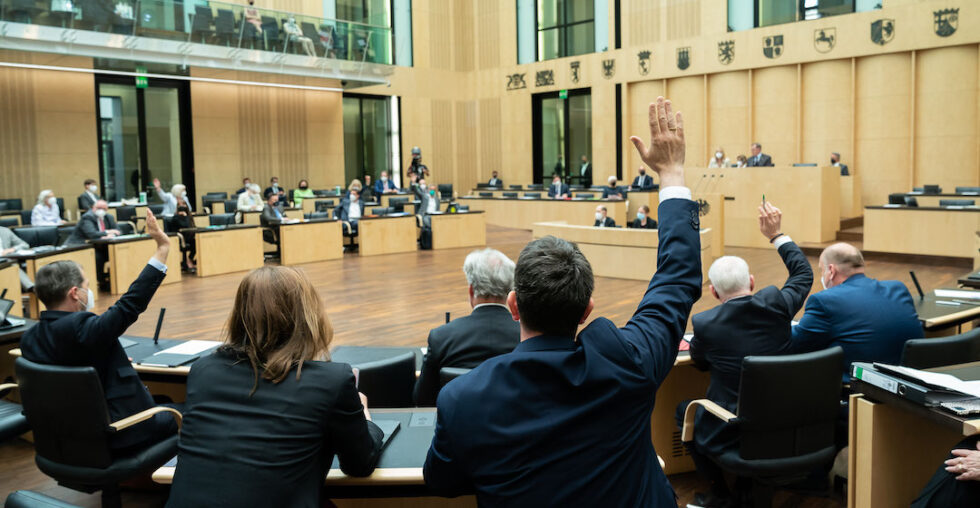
[(705, 467)]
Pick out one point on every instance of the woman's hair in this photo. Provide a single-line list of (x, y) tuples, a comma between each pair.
[(355, 184), (277, 323), (255, 188), (178, 189), (301, 182), (43, 196)]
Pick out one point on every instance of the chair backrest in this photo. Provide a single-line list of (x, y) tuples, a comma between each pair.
[(486, 194), (942, 351), (957, 202), (271, 29), (64, 232), (66, 409), (30, 499), (788, 405), (585, 195), (170, 225), (509, 194), (309, 31), (398, 204), (535, 186), (463, 208), (221, 219), (384, 210), (127, 228), (9, 222), (156, 209), (323, 205), (388, 382), (961, 190), (125, 213), (231, 205), (36, 236), (221, 195), (932, 189), (576, 187), (202, 19), (447, 374), (209, 201), (25, 216), (532, 195), (61, 206), (911, 201), (445, 191), (319, 215), (515, 187), (224, 24), (12, 204)]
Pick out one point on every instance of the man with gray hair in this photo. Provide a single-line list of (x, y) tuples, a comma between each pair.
[(744, 324), (488, 331)]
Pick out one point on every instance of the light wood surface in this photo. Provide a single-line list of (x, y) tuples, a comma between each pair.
[(453, 230), (929, 232), (127, 260), (201, 221), (387, 235), (637, 199), (253, 218), (84, 257), (306, 242), (932, 200), (524, 213), (685, 382), (850, 197), (10, 280), (228, 250), (712, 210)]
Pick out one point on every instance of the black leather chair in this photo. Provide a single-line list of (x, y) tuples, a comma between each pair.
[(535, 195), (9, 222), (388, 382), (445, 191), (317, 215), (963, 190), (384, 210), (12, 421), (462, 208), (156, 209), (310, 31), (576, 187), (125, 213), (323, 205), (11, 204), (67, 412), (486, 194), (510, 194), (201, 26), (209, 201), (30, 499), (64, 232), (231, 205), (447, 374), (398, 204), (942, 351), (585, 195), (270, 29), (25, 217), (515, 187), (221, 219), (219, 195), (36, 236), (224, 27), (788, 408), (535, 186), (61, 206), (957, 202)]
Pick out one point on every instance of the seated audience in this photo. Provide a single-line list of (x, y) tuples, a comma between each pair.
[(745, 324), (184, 222), (274, 188), (88, 198), (957, 481), (246, 183), (643, 219), (758, 158), (488, 331), (494, 181), (564, 419), (9, 244), (601, 220), (265, 415), (613, 191), (741, 161), (428, 201), (271, 218), (303, 191), (642, 180), (868, 318), (96, 223), (251, 199), (835, 161), (384, 185), (296, 35), (350, 210), (367, 191), (46, 211), (68, 333), (171, 200), (558, 189), (719, 160), (355, 185)]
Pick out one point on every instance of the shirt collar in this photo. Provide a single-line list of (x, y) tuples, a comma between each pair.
[(547, 343), (490, 305)]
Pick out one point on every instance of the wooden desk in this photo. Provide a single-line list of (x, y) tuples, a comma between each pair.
[(932, 200), (808, 196), (250, 217), (128, 257), (941, 320), (84, 255), (637, 198), (453, 230), (386, 235), (383, 199), (850, 197), (922, 230), (10, 281), (228, 249), (524, 213), (618, 252), (9, 341), (307, 242), (684, 382)]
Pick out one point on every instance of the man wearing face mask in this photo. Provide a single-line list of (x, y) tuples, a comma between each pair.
[(429, 201), (870, 319), (171, 200), (719, 160), (87, 199), (601, 220), (274, 188), (835, 161), (384, 185), (96, 223), (642, 180), (557, 189), (68, 333)]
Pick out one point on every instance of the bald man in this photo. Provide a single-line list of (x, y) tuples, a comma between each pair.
[(868, 318)]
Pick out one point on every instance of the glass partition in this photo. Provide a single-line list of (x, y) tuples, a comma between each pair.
[(212, 23)]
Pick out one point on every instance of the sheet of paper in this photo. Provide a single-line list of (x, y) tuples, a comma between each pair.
[(191, 347), (957, 293)]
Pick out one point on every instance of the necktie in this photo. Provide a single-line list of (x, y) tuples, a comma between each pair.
[(101, 225)]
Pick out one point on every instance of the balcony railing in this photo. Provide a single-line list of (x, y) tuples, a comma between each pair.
[(211, 23)]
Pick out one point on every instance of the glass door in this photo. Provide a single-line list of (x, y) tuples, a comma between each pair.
[(562, 134)]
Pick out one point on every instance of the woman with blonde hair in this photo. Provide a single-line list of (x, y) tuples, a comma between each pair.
[(173, 199), (264, 415)]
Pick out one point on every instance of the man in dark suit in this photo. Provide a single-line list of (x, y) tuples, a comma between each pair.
[(68, 333), (868, 318), (643, 181), (557, 189), (494, 181), (87, 199), (835, 161), (488, 331), (613, 191), (350, 209), (601, 218), (565, 420), (270, 219), (758, 158), (744, 324), (585, 172), (384, 185), (274, 188), (245, 183), (96, 223)]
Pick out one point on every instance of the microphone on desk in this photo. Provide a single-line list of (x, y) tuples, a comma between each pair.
[(156, 333), (918, 288), (3, 294), (698, 184), (716, 182), (447, 318)]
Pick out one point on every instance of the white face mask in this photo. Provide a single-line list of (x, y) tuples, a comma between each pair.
[(598, 216), (93, 188), (100, 213), (183, 195), (718, 155), (384, 179), (822, 282), (640, 215), (422, 186), (90, 303), (52, 201)]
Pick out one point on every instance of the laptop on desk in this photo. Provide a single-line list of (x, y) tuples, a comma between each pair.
[(6, 320)]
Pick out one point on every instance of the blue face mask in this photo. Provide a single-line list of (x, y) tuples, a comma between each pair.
[(640, 215)]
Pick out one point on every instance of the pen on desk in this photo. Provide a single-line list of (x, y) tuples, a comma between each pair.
[(967, 302), (944, 302), (763, 200)]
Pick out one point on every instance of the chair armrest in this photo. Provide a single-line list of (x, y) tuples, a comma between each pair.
[(661, 461), (8, 386), (418, 220), (131, 224), (180, 240), (207, 210), (347, 227), (142, 416), (687, 432)]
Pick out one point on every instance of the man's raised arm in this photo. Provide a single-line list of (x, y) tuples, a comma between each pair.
[(800, 279)]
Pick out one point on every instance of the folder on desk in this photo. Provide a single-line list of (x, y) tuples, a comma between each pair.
[(167, 360)]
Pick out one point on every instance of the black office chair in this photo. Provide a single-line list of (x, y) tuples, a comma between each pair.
[(398, 204), (957, 202), (388, 382), (9, 222), (25, 217), (209, 201), (964, 190), (323, 205), (23, 11), (126, 213), (31, 499), (486, 194), (535, 187), (896, 198), (201, 26), (126, 228), (515, 187), (270, 29), (576, 187), (509, 194), (911, 202), (12, 421), (788, 408), (219, 195), (535, 195), (917, 189), (310, 31), (585, 195), (36, 236), (64, 232), (231, 205), (447, 374), (942, 351), (224, 27), (384, 210), (221, 219), (61, 206), (445, 191), (317, 215), (156, 209), (462, 208), (67, 412), (11, 204), (932, 189)]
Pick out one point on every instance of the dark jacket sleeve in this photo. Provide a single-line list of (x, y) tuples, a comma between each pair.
[(116, 319), (444, 474), (357, 441), (427, 385), (90, 229), (268, 217), (813, 332), (698, 346), (800, 280), (656, 328)]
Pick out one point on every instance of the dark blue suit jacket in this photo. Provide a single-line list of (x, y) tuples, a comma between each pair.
[(380, 187), (563, 191), (565, 422), (870, 319)]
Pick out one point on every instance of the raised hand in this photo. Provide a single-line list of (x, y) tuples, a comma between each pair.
[(770, 220), (156, 183), (665, 154)]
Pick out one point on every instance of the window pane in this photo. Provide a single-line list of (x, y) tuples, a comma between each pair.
[(548, 44), (163, 135), (580, 39), (548, 15), (120, 141), (579, 10), (580, 134)]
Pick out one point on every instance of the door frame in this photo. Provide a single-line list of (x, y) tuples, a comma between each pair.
[(536, 130)]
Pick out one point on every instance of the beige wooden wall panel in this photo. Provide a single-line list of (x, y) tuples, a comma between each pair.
[(464, 26), (603, 133), (517, 137), (488, 33), (946, 116), (826, 102), (441, 154), (642, 25), (639, 95), (683, 19), (883, 117), (466, 167), (774, 113), (18, 140), (490, 146), (440, 34), (688, 95), (728, 115)]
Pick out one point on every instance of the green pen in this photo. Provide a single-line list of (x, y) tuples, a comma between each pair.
[(763, 200)]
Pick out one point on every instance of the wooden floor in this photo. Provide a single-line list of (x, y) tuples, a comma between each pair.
[(395, 300)]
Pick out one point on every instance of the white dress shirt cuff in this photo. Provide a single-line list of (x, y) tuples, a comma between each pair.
[(674, 192), (782, 240), (155, 263)]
